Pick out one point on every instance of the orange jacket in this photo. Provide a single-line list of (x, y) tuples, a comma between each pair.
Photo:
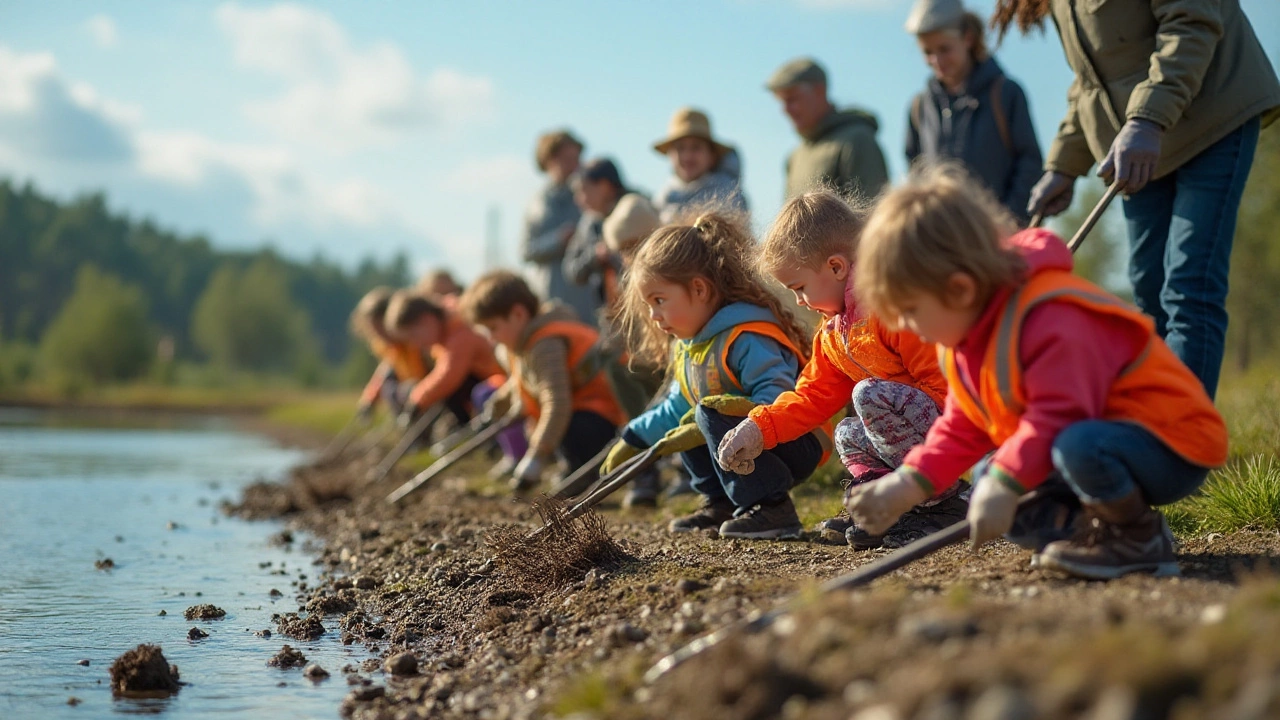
[(461, 352), (405, 361), (840, 361), (590, 386)]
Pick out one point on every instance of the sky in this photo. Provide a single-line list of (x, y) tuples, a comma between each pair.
[(361, 129)]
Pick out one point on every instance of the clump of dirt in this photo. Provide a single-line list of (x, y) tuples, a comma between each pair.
[(143, 671), (204, 612), (288, 657), (104, 564), (563, 552), (308, 628)]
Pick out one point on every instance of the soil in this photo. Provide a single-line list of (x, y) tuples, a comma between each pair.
[(143, 672), (204, 612), (567, 624)]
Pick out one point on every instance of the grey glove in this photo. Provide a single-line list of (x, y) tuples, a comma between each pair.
[(1051, 194), (364, 412), (1133, 156)]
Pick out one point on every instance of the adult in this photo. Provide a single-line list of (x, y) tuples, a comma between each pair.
[(705, 172), (838, 148), (551, 219), (1169, 97), (588, 262), (970, 110)]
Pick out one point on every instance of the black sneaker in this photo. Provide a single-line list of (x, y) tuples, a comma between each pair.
[(859, 539), (772, 521), (1052, 517), (925, 520), (710, 516)]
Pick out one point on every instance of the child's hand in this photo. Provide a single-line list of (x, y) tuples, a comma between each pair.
[(991, 510), (621, 452), (740, 447), (876, 505)]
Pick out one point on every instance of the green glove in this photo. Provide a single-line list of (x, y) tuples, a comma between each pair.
[(731, 405), (685, 436), (622, 451)]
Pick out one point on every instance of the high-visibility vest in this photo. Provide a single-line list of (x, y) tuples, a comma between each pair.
[(1155, 390), (591, 389)]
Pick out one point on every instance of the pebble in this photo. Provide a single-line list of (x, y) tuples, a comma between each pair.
[(439, 547), (196, 633), (263, 633), (1001, 702), (401, 664), (364, 582), (74, 701), (688, 586), (878, 712), (275, 593), (628, 633), (1213, 614), (366, 694), (315, 672), (83, 662), (162, 613)]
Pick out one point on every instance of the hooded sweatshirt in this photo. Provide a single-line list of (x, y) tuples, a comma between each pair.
[(762, 365), (720, 187), (842, 152), (1070, 356), (461, 352)]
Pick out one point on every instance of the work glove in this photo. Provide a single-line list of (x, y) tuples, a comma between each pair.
[(1132, 159), (364, 412), (528, 470), (991, 510), (876, 505), (731, 405), (685, 436), (621, 452), (1051, 194), (740, 447)]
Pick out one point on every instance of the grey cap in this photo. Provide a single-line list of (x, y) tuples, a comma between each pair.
[(800, 70), (931, 15)]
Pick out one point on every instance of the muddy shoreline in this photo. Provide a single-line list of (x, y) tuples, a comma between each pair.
[(956, 635)]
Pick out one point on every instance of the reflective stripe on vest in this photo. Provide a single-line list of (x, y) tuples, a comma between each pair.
[(702, 368)]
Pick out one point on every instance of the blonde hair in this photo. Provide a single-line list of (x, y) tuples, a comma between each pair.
[(406, 308), (717, 248), (494, 295), (439, 282), (370, 312), (811, 228), (939, 222)]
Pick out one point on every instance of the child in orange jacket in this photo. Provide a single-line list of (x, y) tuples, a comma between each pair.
[(1052, 375), (891, 377), (399, 364)]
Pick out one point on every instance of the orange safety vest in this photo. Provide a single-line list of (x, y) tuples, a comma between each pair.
[(591, 389), (1155, 390), (407, 362), (702, 368)]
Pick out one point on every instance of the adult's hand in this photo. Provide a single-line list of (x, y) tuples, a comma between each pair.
[(1132, 159), (1051, 194)]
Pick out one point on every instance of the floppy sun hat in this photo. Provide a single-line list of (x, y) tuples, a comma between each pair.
[(688, 122)]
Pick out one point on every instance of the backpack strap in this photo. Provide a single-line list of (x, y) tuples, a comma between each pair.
[(915, 112), (997, 111)]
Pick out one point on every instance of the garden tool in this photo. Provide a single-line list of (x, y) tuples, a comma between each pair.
[(401, 449), (479, 440)]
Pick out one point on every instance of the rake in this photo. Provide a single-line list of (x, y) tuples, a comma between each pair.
[(479, 440), (402, 448)]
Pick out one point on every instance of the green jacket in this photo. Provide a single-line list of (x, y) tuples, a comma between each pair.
[(841, 152), (1194, 67)]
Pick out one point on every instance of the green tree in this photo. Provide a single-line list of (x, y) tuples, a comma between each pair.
[(100, 334), (1255, 260), (247, 320)]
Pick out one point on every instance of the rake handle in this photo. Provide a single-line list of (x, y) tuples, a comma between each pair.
[(609, 484), (406, 442), (451, 458)]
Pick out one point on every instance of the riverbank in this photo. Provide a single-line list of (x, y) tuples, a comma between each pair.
[(956, 635)]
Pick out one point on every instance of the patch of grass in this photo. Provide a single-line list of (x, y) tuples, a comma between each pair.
[(325, 413), (1243, 495)]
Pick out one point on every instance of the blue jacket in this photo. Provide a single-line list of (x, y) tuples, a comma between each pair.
[(964, 127), (763, 367)]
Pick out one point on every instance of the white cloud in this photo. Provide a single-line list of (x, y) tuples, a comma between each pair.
[(493, 177), (339, 96), (103, 31)]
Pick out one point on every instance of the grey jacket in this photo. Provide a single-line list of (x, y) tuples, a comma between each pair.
[(965, 128), (550, 216), (718, 188)]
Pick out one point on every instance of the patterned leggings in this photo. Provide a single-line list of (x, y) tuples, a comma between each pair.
[(889, 419)]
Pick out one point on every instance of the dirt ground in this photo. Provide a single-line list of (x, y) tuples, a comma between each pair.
[(957, 635)]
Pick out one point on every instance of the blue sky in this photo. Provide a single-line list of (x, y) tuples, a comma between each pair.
[(363, 128)]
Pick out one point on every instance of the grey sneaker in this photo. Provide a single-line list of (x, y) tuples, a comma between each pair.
[(774, 521), (710, 516)]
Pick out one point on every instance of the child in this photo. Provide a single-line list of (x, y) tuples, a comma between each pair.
[(705, 171), (465, 374), (1045, 369), (892, 377), (698, 284), (555, 373), (440, 286), (399, 365)]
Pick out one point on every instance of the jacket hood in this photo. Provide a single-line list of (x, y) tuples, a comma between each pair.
[(841, 118), (731, 315), (1042, 250), (980, 79), (552, 311)]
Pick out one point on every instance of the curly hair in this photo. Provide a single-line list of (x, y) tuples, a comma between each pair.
[(717, 248), (1027, 14)]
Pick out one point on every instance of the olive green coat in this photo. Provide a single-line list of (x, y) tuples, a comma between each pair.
[(1194, 67), (841, 153)]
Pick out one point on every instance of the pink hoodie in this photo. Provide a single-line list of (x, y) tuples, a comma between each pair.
[(1070, 358)]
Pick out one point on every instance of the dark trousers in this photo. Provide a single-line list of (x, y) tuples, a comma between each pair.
[(777, 470), (459, 403), (587, 435)]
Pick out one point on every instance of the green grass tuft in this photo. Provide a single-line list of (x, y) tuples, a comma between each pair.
[(1243, 495)]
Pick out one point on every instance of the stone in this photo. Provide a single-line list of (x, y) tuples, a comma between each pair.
[(315, 672), (196, 633), (401, 664)]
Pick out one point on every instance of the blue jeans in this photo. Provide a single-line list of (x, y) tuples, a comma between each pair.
[(1105, 460), (777, 470), (1181, 228)]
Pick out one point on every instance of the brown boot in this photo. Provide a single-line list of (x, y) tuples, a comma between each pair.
[(1116, 538)]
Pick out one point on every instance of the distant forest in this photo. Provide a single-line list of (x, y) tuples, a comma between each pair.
[(74, 276)]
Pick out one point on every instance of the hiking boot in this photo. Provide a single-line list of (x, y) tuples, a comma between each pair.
[(710, 516), (765, 521), (924, 520), (1051, 517), (643, 491), (1114, 539)]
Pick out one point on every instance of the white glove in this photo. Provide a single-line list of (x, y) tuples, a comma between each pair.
[(740, 447), (876, 505), (529, 469), (991, 510)]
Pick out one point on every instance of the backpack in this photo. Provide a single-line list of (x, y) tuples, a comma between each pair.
[(997, 110)]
